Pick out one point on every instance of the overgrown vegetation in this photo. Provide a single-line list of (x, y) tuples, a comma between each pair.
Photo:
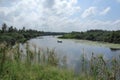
[(38, 65), (12, 34), (16, 64), (95, 35)]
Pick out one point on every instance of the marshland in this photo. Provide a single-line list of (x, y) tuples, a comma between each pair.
[(42, 57), (59, 39)]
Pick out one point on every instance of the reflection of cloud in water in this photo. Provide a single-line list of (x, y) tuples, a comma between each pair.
[(73, 50)]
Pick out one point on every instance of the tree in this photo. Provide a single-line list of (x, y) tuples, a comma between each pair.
[(23, 29), (15, 29), (4, 28), (10, 29)]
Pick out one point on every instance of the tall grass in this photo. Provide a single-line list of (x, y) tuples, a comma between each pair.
[(101, 69), (40, 65)]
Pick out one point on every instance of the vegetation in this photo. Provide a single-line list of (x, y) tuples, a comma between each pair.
[(36, 65), (95, 35), (13, 68), (12, 35), (16, 64)]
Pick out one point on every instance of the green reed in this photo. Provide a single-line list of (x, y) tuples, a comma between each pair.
[(42, 65)]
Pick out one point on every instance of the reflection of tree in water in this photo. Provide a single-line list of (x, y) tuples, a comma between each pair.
[(114, 49)]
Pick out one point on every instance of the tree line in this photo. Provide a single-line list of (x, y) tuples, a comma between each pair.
[(96, 35), (12, 35)]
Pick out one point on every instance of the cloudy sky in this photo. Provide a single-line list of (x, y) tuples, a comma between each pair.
[(61, 15)]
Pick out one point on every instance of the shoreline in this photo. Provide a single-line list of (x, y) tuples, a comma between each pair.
[(95, 43)]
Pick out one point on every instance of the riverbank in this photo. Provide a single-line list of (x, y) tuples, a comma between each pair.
[(12, 67), (95, 35), (38, 66), (12, 35), (95, 43)]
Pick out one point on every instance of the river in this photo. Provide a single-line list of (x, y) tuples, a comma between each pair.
[(73, 49)]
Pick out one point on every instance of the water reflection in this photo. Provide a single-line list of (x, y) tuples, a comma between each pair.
[(73, 49), (115, 49)]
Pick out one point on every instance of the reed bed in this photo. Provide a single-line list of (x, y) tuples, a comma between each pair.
[(39, 65)]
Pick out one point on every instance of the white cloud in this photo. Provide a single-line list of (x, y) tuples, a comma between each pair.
[(33, 12), (66, 7), (96, 24), (105, 11), (118, 0), (52, 16), (89, 12)]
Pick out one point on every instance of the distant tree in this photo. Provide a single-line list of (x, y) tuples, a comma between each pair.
[(111, 37), (23, 29), (4, 28), (10, 29), (15, 29)]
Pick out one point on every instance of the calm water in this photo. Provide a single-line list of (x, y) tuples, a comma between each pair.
[(73, 49)]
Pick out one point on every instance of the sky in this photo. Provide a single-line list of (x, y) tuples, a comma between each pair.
[(61, 15)]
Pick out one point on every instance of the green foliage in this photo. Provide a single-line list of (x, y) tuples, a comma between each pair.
[(20, 71), (95, 35), (4, 28), (14, 67), (11, 35)]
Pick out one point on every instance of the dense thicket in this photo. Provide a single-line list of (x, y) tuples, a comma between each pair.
[(96, 35), (12, 34)]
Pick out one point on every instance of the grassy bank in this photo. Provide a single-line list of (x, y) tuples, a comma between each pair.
[(36, 65), (11, 34), (17, 36), (95, 35), (96, 43)]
